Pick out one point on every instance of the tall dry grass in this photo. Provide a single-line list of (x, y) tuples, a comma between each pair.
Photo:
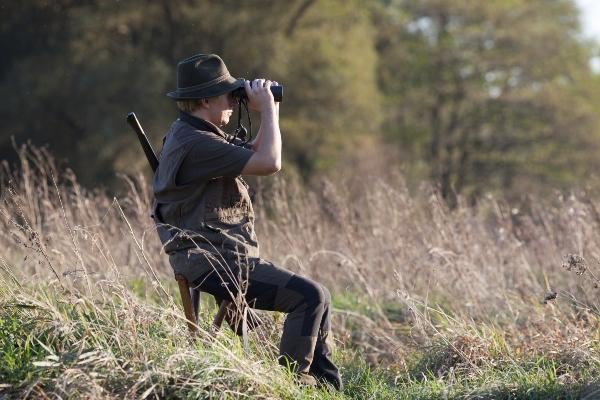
[(88, 308), (528, 273), (405, 271), (383, 240)]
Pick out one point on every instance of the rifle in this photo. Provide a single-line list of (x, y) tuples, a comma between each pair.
[(148, 150)]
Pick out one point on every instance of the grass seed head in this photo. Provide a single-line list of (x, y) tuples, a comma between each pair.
[(575, 263)]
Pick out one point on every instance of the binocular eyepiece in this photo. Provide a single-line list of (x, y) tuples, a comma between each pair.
[(276, 90)]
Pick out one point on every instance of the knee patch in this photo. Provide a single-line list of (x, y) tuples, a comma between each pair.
[(312, 292), (326, 295)]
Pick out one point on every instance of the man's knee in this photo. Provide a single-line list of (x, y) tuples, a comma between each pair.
[(312, 293), (326, 295)]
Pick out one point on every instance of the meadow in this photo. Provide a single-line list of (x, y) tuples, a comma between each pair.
[(497, 300)]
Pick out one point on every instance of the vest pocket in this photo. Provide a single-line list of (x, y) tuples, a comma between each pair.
[(225, 215)]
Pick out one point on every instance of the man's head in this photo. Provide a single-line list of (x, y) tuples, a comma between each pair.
[(216, 110), (204, 88)]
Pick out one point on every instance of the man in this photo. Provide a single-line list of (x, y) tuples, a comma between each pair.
[(205, 218)]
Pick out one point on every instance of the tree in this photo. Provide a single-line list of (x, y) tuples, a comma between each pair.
[(489, 94), (77, 73)]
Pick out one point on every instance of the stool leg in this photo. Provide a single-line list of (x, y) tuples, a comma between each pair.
[(190, 298), (218, 320), (196, 302), (186, 300)]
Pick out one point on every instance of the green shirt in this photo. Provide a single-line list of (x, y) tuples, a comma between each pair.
[(201, 201)]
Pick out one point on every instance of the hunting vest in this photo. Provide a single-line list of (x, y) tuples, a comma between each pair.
[(201, 201)]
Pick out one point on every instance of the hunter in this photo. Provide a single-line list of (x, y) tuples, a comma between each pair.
[(205, 218)]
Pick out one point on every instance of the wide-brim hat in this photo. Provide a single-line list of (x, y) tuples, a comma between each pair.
[(202, 76)]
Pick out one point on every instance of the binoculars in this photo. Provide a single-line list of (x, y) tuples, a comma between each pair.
[(276, 90)]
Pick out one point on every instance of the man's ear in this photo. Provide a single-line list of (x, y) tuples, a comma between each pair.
[(203, 103)]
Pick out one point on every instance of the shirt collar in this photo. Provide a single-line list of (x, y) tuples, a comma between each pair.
[(201, 124)]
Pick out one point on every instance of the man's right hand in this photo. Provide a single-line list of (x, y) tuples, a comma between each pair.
[(259, 94)]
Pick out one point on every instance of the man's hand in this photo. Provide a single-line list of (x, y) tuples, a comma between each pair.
[(259, 94)]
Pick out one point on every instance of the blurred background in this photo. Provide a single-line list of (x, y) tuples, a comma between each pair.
[(497, 96)]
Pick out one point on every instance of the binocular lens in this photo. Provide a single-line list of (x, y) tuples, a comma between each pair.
[(277, 93)]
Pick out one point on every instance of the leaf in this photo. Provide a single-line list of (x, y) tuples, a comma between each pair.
[(48, 349), (48, 364), (88, 354), (147, 392)]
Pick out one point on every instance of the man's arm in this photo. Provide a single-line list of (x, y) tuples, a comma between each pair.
[(256, 141), (266, 159)]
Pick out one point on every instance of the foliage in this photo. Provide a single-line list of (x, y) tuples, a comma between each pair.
[(497, 95), (107, 58)]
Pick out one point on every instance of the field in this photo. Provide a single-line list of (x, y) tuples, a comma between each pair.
[(491, 301)]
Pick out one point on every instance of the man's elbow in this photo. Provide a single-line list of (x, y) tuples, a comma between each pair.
[(274, 167), (262, 166)]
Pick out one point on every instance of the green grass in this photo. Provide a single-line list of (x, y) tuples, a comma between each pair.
[(58, 343)]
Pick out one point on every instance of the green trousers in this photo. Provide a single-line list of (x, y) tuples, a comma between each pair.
[(304, 342)]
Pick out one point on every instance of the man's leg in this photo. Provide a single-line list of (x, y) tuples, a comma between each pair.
[(322, 366), (305, 301)]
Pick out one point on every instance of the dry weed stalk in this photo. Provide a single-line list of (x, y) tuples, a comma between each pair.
[(369, 241)]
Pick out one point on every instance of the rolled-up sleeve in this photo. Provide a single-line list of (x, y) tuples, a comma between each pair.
[(210, 157)]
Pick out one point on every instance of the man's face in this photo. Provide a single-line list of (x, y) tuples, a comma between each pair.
[(220, 109)]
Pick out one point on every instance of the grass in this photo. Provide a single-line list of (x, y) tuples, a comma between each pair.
[(120, 345), (429, 303)]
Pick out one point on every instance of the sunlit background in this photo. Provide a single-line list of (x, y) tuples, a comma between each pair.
[(500, 97)]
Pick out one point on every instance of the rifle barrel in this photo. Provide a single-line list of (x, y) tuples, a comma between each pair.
[(146, 146)]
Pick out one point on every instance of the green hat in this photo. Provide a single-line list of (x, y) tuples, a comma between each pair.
[(202, 76)]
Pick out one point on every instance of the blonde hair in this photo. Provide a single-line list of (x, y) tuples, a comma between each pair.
[(188, 106)]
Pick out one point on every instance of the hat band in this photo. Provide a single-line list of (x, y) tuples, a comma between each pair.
[(204, 85)]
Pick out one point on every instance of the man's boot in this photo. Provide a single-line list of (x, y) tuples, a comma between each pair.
[(304, 379), (322, 367), (297, 354)]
